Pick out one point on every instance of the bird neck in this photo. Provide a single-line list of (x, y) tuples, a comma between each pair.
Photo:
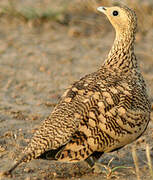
[(121, 56)]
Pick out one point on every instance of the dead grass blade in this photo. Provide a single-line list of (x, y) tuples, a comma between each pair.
[(149, 160), (135, 159)]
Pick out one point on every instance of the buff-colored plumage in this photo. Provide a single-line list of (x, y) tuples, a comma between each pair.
[(101, 112)]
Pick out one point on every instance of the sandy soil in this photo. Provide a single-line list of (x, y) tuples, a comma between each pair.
[(37, 63)]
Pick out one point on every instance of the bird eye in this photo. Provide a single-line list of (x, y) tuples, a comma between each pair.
[(115, 13)]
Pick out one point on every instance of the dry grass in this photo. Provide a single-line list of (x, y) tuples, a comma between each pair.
[(135, 159), (149, 160), (112, 172), (136, 162)]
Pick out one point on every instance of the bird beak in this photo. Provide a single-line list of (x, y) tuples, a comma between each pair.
[(102, 9)]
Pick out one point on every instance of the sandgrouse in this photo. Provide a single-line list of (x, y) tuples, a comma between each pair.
[(104, 110)]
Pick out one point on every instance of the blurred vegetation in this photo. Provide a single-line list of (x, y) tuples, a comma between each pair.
[(66, 12), (32, 13)]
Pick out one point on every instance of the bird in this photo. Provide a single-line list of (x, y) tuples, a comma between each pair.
[(102, 111)]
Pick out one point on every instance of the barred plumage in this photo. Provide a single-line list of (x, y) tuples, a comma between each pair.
[(101, 112)]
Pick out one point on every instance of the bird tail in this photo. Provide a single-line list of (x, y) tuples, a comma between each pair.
[(24, 158), (77, 149), (32, 151)]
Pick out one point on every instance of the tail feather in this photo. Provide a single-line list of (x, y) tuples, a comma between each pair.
[(32, 151), (68, 155), (24, 158), (77, 149)]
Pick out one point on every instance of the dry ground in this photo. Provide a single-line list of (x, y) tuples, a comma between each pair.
[(39, 58)]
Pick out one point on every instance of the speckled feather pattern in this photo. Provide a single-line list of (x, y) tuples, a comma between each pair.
[(101, 112)]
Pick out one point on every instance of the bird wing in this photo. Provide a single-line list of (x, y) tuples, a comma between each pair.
[(107, 122), (91, 116)]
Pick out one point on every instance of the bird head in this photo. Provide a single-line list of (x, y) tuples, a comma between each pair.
[(122, 18)]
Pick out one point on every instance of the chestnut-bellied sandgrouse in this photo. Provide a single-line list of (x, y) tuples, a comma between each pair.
[(104, 110)]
